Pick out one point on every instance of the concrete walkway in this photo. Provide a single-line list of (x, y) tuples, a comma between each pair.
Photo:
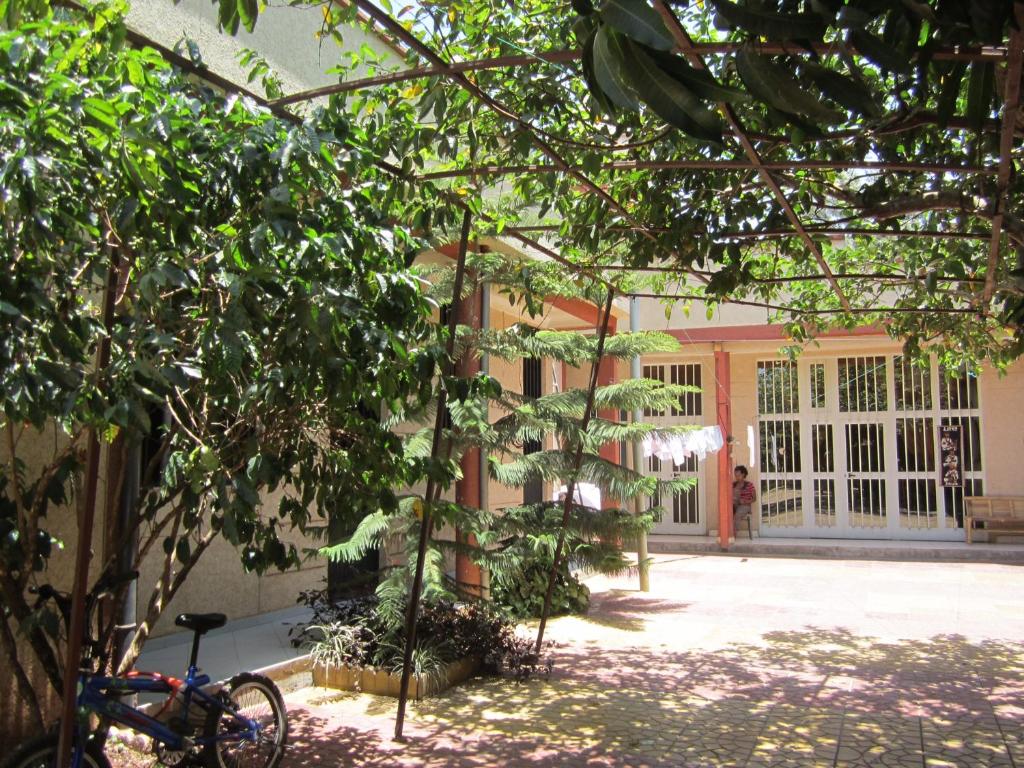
[(240, 646), (731, 661)]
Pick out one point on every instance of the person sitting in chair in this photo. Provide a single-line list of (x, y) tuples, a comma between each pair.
[(743, 495)]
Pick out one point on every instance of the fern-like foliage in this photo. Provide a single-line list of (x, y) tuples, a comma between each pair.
[(571, 347), (531, 532), (554, 466), (369, 534), (630, 395)]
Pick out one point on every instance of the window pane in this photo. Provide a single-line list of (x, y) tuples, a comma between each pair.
[(690, 403), (656, 372), (970, 439), (913, 385), (958, 390), (777, 387), (862, 384), (817, 385), (685, 509), (781, 503), (865, 447), (867, 502), (953, 500), (824, 502), (915, 445), (780, 446), (918, 503), (822, 458)]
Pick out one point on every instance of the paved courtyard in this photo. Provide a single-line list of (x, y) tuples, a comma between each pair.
[(731, 661)]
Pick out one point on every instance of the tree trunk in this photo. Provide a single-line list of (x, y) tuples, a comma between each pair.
[(25, 688)]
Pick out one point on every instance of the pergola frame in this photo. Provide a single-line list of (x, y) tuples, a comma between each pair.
[(1012, 54), (695, 52)]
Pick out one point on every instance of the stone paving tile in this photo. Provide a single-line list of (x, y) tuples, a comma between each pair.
[(889, 741), (1013, 734), (797, 736), (719, 733), (728, 663), (967, 743)]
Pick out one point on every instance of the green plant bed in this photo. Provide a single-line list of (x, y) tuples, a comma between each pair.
[(358, 644), (384, 682)]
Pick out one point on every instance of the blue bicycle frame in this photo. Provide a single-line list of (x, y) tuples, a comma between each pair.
[(101, 695)]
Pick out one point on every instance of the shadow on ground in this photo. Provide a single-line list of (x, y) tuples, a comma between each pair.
[(812, 697), (626, 609)]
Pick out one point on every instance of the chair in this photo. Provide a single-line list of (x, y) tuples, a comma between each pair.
[(750, 531)]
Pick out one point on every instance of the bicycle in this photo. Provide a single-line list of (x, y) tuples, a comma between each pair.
[(243, 723)]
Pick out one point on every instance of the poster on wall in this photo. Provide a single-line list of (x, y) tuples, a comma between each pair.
[(950, 456)]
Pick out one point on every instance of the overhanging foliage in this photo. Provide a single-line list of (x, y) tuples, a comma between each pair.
[(785, 153)]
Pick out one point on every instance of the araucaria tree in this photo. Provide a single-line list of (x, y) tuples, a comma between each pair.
[(527, 440), (220, 294)]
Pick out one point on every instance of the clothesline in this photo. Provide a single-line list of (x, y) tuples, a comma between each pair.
[(678, 448)]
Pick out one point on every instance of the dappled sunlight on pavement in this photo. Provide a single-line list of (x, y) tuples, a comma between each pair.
[(647, 679)]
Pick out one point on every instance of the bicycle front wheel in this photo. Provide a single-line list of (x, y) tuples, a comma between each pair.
[(42, 753), (231, 745)]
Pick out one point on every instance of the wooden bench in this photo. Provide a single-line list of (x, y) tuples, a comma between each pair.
[(1001, 514)]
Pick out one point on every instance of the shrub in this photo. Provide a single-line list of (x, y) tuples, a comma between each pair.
[(521, 593), (354, 632)]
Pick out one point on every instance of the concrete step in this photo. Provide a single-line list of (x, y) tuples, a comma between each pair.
[(847, 549)]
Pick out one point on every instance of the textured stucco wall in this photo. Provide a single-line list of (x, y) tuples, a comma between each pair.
[(284, 35), (1002, 430)]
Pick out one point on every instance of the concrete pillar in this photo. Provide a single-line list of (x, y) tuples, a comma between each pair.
[(635, 371), (723, 412)]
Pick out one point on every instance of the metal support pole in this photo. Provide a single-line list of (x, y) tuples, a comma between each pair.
[(642, 562), (433, 488), (588, 413)]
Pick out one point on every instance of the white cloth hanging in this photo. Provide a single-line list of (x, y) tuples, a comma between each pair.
[(677, 448), (585, 494)]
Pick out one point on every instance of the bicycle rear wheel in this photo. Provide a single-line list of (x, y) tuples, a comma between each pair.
[(42, 753), (254, 697)]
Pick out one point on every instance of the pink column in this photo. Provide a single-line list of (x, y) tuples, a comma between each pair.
[(724, 417), (468, 575)]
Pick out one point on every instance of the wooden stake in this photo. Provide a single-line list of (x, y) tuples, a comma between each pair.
[(433, 490)]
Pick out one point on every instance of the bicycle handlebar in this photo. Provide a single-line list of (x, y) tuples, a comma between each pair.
[(103, 588)]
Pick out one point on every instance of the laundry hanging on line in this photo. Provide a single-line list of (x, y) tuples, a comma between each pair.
[(677, 448), (586, 494)]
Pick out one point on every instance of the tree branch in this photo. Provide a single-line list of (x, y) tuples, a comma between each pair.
[(21, 612), (974, 205), (154, 610), (19, 502)]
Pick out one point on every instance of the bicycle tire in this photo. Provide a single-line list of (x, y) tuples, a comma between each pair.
[(41, 752), (257, 697)]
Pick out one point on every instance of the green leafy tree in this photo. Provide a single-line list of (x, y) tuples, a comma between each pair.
[(847, 102), (262, 320)]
